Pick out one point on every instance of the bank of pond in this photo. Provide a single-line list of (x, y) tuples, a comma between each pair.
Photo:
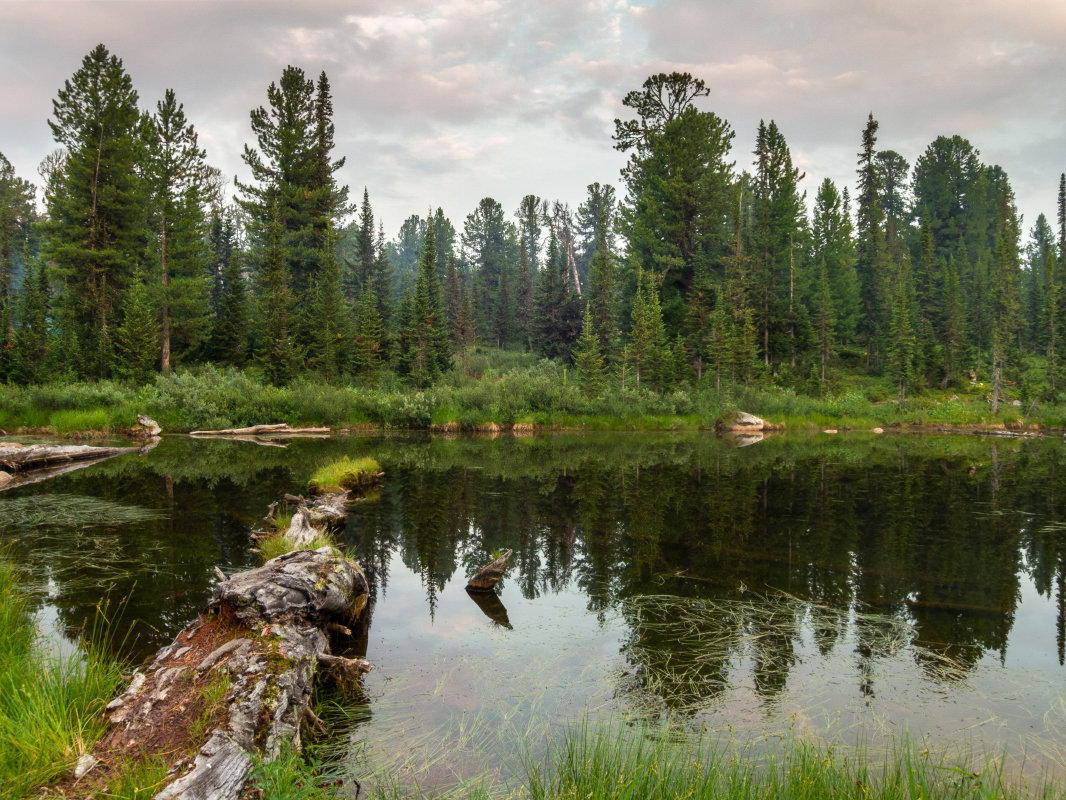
[(804, 617)]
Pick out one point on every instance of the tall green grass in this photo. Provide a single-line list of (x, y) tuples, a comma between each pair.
[(611, 763), (50, 705)]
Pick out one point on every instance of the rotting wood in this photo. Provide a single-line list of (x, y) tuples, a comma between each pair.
[(264, 636), (261, 641), (490, 574), (23, 464)]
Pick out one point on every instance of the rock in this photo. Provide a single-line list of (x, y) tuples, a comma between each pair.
[(85, 763), (146, 427), (743, 422), (878, 430), (830, 430), (5, 478)]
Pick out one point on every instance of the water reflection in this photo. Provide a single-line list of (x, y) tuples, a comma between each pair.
[(697, 566)]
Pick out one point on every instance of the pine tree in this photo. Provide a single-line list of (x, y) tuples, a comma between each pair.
[(647, 335), (278, 354), (823, 319), (1050, 316), (953, 333), (901, 339), (524, 296), (16, 216), (177, 179), (588, 358), (873, 265), (678, 184), (95, 199), (367, 346), (427, 352), (230, 335), (364, 259), (32, 333), (831, 242), (603, 296), (1005, 291), (137, 340), (329, 312)]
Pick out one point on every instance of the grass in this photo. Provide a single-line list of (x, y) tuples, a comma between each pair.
[(344, 474), (611, 762), (50, 706), (141, 779)]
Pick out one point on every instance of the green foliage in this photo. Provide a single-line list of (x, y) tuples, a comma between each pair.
[(50, 706), (288, 777), (136, 352), (138, 779)]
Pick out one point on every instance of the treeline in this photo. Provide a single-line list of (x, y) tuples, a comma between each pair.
[(702, 271)]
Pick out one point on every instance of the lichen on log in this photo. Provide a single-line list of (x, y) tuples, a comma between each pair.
[(263, 638)]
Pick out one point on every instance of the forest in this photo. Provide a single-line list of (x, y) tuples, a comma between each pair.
[(707, 270)]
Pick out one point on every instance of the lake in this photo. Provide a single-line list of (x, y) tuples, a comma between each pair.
[(858, 589)]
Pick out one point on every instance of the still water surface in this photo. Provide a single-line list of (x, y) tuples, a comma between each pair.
[(857, 590)]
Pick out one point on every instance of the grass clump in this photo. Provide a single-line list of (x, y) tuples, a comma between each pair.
[(50, 706), (288, 777), (619, 762), (140, 780), (344, 474)]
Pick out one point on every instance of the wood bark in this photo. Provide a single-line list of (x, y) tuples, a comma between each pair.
[(21, 464), (265, 634), (490, 574)]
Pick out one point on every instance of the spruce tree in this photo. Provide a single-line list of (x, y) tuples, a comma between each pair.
[(823, 320), (137, 344), (426, 352), (177, 180), (231, 332), (603, 296), (367, 344), (588, 358), (1050, 317), (329, 313), (647, 337), (901, 339), (32, 333), (953, 332), (277, 353)]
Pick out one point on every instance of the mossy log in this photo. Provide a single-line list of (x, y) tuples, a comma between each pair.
[(21, 464), (255, 651)]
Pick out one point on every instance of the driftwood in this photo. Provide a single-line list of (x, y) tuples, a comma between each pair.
[(21, 464), (255, 651), (279, 430), (490, 574), (493, 608)]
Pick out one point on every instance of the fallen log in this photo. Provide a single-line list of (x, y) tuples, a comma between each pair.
[(21, 464), (490, 574), (280, 429), (242, 674)]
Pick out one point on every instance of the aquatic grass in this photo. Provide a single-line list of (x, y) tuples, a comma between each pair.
[(608, 762), (50, 705), (67, 511), (344, 474)]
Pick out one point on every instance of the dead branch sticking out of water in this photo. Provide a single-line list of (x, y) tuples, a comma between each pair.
[(490, 574)]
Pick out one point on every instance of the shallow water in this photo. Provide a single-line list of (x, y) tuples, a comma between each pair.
[(859, 590)]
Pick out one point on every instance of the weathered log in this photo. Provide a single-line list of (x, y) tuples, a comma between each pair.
[(490, 574), (258, 646), (743, 422), (146, 427), (22, 464), (280, 429)]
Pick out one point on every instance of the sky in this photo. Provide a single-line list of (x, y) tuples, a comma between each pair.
[(444, 103)]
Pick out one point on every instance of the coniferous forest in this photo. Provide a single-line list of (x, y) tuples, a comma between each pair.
[(708, 273)]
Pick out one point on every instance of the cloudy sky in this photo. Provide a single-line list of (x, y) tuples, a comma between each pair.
[(443, 103)]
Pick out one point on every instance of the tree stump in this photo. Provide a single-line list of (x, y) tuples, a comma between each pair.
[(490, 574)]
